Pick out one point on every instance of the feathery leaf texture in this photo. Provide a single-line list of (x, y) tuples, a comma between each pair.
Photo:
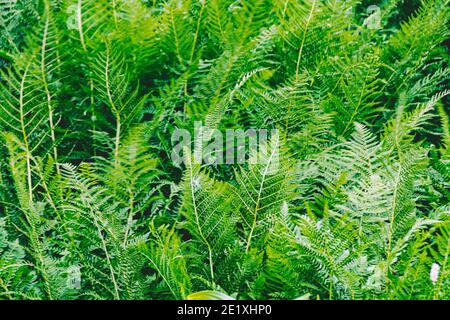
[(348, 197)]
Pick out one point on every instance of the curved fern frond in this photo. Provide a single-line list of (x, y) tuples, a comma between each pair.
[(262, 189), (206, 207)]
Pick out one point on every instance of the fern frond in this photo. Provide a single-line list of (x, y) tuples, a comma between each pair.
[(165, 256), (206, 207), (262, 189)]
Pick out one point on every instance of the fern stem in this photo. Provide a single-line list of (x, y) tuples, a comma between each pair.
[(391, 224), (91, 82), (46, 88), (175, 34), (300, 51), (355, 111), (197, 30), (6, 292), (104, 247), (117, 140), (157, 269), (130, 217), (255, 213), (36, 246), (93, 117), (113, 107), (197, 220), (80, 24), (114, 5), (191, 57), (330, 289), (24, 134)]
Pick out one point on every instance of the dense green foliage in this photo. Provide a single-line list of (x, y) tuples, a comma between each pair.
[(92, 207)]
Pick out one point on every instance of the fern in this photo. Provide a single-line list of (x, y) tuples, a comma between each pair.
[(204, 207), (348, 199), (262, 189)]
